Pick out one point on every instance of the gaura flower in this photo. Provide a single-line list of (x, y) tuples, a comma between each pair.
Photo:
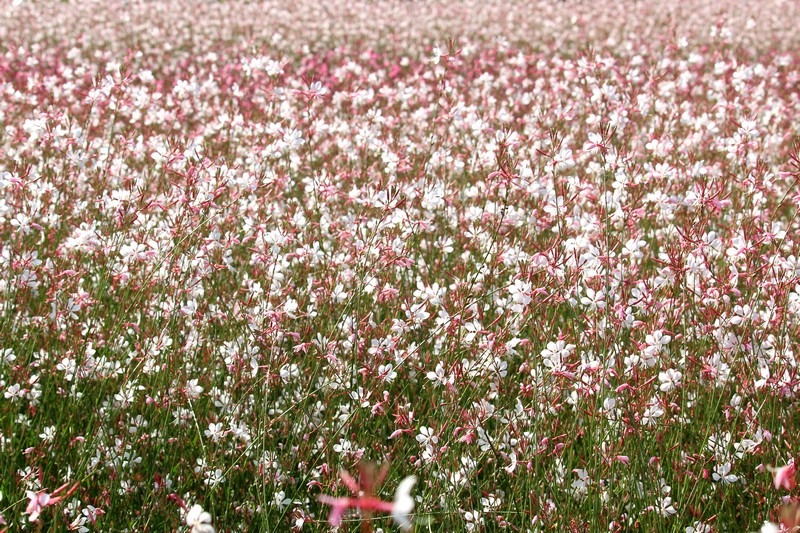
[(784, 476), (769, 527), (403, 504), (37, 501), (198, 520), (399, 509)]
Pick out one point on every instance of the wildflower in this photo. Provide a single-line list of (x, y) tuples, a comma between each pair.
[(399, 509), (37, 501), (520, 295), (580, 486), (403, 504), (652, 413), (563, 159), (698, 527), (594, 300), (666, 508), (193, 390), (198, 520), (215, 431), (784, 476), (213, 477), (769, 527), (437, 55), (595, 143), (48, 434), (427, 436), (722, 472), (473, 520), (655, 344), (440, 377), (671, 379)]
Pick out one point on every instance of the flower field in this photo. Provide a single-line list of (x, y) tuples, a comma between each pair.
[(380, 265)]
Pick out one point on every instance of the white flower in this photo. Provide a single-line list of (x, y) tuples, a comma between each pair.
[(671, 379), (215, 431), (213, 477), (198, 520), (580, 486), (769, 527), (554, 355), (665, 507), (722, 472), (193, 390), (289, 372), (698, 527), (563, 159), (437, 55), (427, 436), (440, 377), (653, 412), (48, 434), (473, 521), (655, 344), (594, 300), (520, 295), (404, 503)]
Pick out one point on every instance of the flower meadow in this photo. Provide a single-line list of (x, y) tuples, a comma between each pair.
[(399, 265)]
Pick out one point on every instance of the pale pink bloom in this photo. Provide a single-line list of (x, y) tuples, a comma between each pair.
[(784, 476), (400, 509), (37, 501)]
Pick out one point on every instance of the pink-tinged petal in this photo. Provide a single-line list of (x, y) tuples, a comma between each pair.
[(349, 481), (337, 512), (784, 476), (338, 507), (33, 501)]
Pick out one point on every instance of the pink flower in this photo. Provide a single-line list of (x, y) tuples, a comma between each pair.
[(37, 502), (400, 509), (784, 476)]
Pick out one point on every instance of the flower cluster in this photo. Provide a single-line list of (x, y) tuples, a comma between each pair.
[(545, 255)]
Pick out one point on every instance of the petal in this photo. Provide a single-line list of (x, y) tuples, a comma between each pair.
[(404, 502), (192, 517)]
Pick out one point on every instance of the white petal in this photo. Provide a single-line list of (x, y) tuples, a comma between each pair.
[(404, 503), (769, 527)]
